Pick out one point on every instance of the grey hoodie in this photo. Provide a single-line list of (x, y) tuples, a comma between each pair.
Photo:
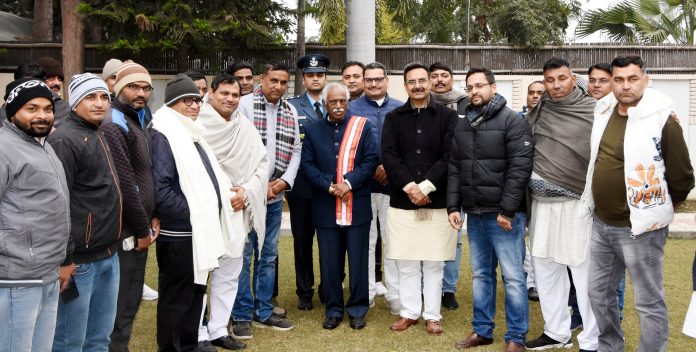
[(34, 210)]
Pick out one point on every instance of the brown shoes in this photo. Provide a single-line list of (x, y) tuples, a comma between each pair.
[(402, 324), (473, 340), (511, 346), (433, 327)]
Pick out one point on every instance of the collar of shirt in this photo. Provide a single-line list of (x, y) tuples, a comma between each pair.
[(312, 101), (41, 140)]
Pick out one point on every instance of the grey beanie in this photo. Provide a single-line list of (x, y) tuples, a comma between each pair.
[(180, 87)]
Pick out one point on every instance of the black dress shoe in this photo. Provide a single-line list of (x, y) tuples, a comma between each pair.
[(331, 323), (305, 304), (205, 346), (357, 323), (228, 343)]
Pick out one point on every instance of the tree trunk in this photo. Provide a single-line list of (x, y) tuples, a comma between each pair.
[(360, 31), (73, 40), (42, 30), (300, 45), (182, 58)]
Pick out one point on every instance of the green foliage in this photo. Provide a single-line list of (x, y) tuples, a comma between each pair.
[(196, 25), (388, 31), (527, 23), (643, 21)]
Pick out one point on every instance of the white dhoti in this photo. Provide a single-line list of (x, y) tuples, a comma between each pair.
[(420, 248)]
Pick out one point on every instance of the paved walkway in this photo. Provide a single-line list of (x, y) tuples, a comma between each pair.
[(683, 226)]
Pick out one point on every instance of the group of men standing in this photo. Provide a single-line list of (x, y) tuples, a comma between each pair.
[(205, 176)]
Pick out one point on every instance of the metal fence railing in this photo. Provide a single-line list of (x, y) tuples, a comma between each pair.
[(499, 58)]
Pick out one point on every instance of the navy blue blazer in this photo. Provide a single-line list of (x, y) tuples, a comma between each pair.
[(319, 157), (306, 115)]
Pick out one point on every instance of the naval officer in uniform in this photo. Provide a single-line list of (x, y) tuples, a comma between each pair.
[(309, 108)]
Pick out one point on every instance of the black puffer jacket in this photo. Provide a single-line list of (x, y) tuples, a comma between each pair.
[(491, 161)]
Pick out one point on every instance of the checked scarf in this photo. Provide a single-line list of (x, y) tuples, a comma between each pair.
[(285, 130)]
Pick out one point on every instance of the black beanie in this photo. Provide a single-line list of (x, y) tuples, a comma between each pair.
[(19, 92), (180, 87)]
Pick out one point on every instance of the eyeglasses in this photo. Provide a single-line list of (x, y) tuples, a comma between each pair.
[(601, 81), (135, 87), (377, 80), (477, 86), (190, 101), (422, 81)]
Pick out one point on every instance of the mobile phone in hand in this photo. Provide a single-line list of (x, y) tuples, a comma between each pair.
[(70, 292)]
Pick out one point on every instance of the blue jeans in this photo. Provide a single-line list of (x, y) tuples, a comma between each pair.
[(613, 251), (451, 275), (29, 317), (85, 323), (489, 244), (264, 270), (620, 293)]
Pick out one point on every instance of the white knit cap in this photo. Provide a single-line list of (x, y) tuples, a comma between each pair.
[(110, 68), (83, 85)]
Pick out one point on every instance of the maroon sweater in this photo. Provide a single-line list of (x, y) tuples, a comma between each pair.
[(132, 156)]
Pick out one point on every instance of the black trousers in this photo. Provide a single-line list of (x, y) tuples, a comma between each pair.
[(180, 300), (334, 243), (303, 230), (130, 291)]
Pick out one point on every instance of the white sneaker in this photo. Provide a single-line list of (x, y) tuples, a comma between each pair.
[(394, 306), (149, 294), (380, 289)]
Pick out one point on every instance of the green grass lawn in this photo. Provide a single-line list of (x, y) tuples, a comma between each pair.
[(309, 336)]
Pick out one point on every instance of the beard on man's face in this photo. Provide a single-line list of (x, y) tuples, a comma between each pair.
[(35, 128)]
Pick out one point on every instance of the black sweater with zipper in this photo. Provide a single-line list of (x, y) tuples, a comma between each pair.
[(95, 197)]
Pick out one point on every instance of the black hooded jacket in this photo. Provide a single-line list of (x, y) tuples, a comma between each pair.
[(491, 161)]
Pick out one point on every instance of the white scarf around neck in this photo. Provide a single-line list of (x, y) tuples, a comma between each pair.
[(216, 232)]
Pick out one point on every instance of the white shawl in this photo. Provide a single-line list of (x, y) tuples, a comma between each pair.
[(242, 156), (213, 235)]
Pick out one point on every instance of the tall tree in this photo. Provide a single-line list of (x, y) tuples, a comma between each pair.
[(647, 21), (189, 27), (300, 44), (42, 30), (74, 43)]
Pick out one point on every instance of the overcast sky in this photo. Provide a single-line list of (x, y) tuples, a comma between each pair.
[(312, 27)]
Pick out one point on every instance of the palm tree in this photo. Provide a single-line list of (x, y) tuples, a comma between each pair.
[(643, 21)]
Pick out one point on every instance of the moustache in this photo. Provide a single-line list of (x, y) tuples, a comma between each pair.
[(54, 86), (338, 110), (439, 84), (418, 90), (40, 122)]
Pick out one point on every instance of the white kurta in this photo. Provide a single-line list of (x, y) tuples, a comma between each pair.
[(411, 239), (557, 230)]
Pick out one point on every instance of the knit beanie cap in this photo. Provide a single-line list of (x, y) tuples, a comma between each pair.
[(52, 67), (128, 73), (180, 87), (111, 67), (83, 85), (20, 91)]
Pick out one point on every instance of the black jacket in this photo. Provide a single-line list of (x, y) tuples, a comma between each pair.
[(171, 205), (491, 162), (416, 146), (130, 147), (95, 197)]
